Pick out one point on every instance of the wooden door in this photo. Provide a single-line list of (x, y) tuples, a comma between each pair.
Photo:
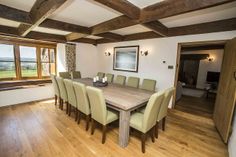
[(226, 95)]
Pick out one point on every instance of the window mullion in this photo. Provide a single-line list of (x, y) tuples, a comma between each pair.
[(17, 61), (39, 65)]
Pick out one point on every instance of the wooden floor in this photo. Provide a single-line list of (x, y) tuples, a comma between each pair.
[(40, 129), (197, 106)]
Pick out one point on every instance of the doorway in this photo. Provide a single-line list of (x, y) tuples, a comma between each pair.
[(197, 76)]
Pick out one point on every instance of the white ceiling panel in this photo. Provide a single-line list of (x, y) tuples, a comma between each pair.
[(131, 30), (50, 31), (221, 12), (93, 37), (25, 5), (144, 3), (84, 13), (9, 23)]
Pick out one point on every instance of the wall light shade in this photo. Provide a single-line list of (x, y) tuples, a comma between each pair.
[(144, 53), (210, 59), (107, 53)]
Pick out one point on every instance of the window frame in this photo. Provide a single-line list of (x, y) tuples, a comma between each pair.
[(38, 45)]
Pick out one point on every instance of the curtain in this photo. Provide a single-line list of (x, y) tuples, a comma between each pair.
[(70, 57)]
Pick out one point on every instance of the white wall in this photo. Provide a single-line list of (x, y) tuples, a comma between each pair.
[(205, 65), (17, 96), (61, 58)]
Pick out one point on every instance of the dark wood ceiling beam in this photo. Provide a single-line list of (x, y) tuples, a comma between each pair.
[(86, 40), (122, 6), (46, 37), (5, 30), (54, 24), (175, 7), (209, 27), (111, 36), (14, 14), (157, 27), (38, 13)]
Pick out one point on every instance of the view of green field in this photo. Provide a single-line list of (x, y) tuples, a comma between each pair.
[(11, 73)]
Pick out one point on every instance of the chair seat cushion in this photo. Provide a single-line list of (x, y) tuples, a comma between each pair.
[(136, 121), (111, 116)]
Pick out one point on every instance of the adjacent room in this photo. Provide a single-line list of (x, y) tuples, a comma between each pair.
[(115, 78)]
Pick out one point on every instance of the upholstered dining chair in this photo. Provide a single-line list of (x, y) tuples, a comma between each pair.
[(63, 93), (65, 75), (99, 111), (109, 77), (56, 88), (76, 75), (71, 97), (145, 122), (120, 79), (100, 75), (133, 82), (82, 102), (163, 110), (148, 84)]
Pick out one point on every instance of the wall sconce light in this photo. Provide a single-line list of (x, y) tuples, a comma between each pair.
[(144, 53), (107, 53), (210, 59)]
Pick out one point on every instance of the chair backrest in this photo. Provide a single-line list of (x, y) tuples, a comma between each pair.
[(76, 75), (55, 85), (109, 77), (97, 104), (62, 88), (100, 75), (149, 84), (164, 106), (120, 80), (65, 75), (151, 111), (133, 82), (81, 97), (70, 92)]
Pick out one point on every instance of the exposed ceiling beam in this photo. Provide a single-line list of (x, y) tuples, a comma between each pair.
[(5, 30), (38, 13), (122, 6), (73, 36), (14, 14), (86, 40), (209, 27), (54, 24), (46, 37), (157, 27), (111, 36), (175, 7)]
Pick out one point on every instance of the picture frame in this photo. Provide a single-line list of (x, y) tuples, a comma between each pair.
[(126, 58)]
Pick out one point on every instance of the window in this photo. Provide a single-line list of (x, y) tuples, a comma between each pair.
[(7, 62), (26, 60)]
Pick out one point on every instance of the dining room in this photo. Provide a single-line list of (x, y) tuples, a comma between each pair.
[(100, 78)]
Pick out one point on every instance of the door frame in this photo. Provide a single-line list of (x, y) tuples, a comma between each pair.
[(190, 44)]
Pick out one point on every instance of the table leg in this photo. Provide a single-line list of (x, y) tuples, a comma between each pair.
[(124, 128)]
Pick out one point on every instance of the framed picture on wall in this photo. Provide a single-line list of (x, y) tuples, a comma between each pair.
[(126, 58)]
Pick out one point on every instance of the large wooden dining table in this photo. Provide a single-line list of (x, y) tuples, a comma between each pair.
[(123, 99)]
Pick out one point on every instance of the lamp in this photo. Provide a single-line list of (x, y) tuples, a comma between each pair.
[(107, 53), (144, 53), (210, 59)]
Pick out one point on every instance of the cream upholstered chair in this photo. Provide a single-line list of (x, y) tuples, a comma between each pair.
[(133, 82), (63, 93), (65, 75), (56, 88), (148, 84), (76, 75), (99, 110), (100, 75), (82, 102), (71, 96), (109, 77), (120, 80), (145, 122)]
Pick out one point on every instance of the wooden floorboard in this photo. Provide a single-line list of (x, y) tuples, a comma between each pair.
[(41, 129)]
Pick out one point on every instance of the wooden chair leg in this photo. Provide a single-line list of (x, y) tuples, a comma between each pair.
[(156, 129), (62, 103), (104, 134), (67, 107), (93, 126), (55, 100), (87, 122), (79, 115), (76, 114), (163, 123), (143, 142), (153, 134)]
